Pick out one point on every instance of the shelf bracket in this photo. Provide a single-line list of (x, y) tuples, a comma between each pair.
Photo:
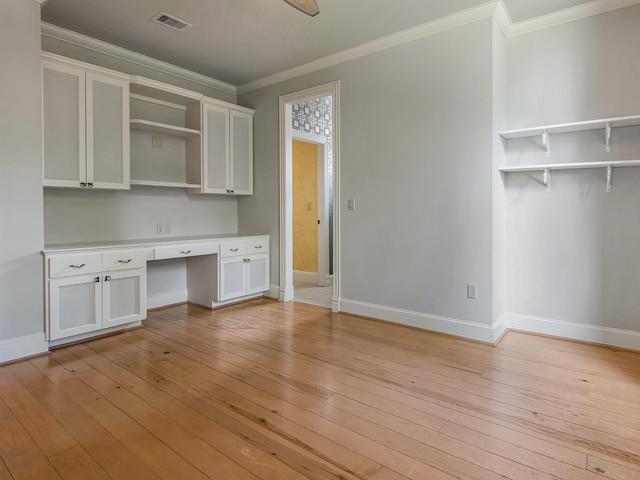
[(546, 179), (609, 175), (607, 145), (546, 141)]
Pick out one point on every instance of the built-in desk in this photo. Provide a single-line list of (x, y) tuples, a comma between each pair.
[(100, 287)]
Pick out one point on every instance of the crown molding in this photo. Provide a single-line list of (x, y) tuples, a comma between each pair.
[(120, 53), (495, 9), (389, 41), (578, 12)]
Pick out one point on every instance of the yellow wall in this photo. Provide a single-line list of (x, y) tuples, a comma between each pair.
[(305, 206)]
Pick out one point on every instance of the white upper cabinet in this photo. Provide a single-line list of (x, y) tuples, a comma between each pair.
[(227, 148), (86, 125)]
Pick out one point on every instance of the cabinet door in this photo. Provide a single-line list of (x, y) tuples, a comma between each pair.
[(107, 102), (75, 305), (125, 297), (215, 149), (233, 278), (64, 147), (241, 167), (257, 273)]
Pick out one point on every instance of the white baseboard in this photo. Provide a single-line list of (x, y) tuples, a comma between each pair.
[(274, 291), (22, 347), (166, 298), (575, 331), (452, 326)]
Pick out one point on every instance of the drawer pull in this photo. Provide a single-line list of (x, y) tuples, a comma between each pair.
[(258, 246), (125, 261), (96, 280), (107, 278), (233, 249), (77, 267), (185, 252)]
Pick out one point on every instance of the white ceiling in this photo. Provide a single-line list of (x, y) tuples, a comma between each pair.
[(239, 41)]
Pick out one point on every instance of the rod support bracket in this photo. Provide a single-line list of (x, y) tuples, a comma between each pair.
[(546, 141), (609, 175), (607, 145), (546, 179)]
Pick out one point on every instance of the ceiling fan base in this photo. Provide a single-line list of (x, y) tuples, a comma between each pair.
[(310, 7)]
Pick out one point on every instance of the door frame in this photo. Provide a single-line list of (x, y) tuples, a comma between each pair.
[(322, 279), (286, 103)]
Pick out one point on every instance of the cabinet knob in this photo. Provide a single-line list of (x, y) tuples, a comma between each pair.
[(233, 249), (107, 278), (125, 261), (77, 267), (97, 279), (90, 185), (258, 246), (83, 184), (248, 260), (187, 252), (232, 191)]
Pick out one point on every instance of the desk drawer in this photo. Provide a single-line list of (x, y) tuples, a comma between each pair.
[(124, 259), (233, 249), (74, 264), (182, 251), (259, 245)]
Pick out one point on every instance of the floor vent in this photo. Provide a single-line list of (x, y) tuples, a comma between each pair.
[(169, 21)]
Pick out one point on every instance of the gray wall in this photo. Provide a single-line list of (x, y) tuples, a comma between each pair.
[(416, 153), (573, 254), (21, 236)]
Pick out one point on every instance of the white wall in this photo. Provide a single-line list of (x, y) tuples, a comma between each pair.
[(573, 254), (416, 150), (21, 235)]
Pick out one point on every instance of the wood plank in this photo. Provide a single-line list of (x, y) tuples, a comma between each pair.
[(613, 470), (4, 471), (20, 454), (208, 461), (163, 461), (296, 454), (103, 447), (234, 447), (46, 431), (77, 464)]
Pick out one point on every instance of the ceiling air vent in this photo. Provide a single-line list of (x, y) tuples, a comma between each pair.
[(171, 22)]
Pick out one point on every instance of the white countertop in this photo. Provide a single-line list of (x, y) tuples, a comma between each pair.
[(141, 243)]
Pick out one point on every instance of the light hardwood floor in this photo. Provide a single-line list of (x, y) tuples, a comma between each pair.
[(269, 390)]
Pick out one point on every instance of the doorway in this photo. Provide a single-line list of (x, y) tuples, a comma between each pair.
[(326, 152)]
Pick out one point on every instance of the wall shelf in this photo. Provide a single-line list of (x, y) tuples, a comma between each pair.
[(548, 167), (630, 121), (151, 183), (546, 131), (156, 127)]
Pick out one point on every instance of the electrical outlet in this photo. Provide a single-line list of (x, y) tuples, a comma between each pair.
[(160, 228), (156, 142), (167, 228), (472, 292)]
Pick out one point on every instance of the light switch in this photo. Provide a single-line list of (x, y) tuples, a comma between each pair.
[(351, 204)]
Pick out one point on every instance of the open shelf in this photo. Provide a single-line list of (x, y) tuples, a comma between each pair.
[(602, 123), (152, 183), (570, 166), (547, 168), (156, 127)]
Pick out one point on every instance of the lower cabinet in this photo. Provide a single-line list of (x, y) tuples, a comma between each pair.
[(243, 275), (83, 303)]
